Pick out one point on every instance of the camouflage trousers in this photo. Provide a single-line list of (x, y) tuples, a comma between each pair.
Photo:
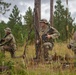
[(9, 49), (46, 47), (74, 50), (72, 47), (43, 52)]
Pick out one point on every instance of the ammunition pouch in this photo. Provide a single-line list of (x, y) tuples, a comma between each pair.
[(48, 45)]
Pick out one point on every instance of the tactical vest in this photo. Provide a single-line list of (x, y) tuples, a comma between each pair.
[(50, 31)]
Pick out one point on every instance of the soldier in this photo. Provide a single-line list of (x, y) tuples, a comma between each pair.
[(8, 43), (47, 34), (72, 44)]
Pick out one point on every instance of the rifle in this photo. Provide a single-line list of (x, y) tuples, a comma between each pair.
[(44, 36), (5, 42), (2, 40)]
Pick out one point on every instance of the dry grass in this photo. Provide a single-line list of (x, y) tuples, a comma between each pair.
[(54, 68)]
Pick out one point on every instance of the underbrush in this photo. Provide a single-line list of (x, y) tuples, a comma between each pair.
[(18, 66)]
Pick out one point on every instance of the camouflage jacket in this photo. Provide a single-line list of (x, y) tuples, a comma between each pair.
[(49, 30), (72, 44), (9, 40)]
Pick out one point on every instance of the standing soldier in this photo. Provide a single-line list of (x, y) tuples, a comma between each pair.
[(72, 44), (8, 43), (47, 35)]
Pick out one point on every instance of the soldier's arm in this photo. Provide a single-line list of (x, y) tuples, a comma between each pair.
[(56, 34), (7, 40), (2, 40)]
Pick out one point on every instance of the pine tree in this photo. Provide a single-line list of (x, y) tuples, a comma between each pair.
[(60, 20), (4, 7), (15, 17), (15, 24), (2, 27), (28, 18)]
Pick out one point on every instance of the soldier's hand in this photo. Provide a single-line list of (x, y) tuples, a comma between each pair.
[(48, 36), (37, 41)]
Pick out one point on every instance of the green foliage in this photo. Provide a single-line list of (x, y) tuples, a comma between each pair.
[(1, 58), (14, 68), (2, 27), (4, 7), (16, 25), (63, 21), (19, 31), (15, 17), (28, 18)]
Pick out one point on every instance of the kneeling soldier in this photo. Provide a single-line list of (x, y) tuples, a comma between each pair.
[(72, 44), (8, 43), (47, 34)]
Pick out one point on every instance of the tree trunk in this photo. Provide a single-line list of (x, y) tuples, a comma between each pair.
[(51, 12), (37, 17)]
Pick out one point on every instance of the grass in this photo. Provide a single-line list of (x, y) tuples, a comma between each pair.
[(19, 67)]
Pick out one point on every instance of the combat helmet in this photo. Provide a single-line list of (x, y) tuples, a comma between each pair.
[(43, 21), (7, 29)]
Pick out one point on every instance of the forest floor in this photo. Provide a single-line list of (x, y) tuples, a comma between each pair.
[(29, 67)]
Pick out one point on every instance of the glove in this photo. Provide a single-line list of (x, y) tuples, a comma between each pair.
[(48, 36)]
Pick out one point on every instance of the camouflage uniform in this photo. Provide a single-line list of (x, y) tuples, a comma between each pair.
[(48, 44), (9, 43), (72, 44)]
